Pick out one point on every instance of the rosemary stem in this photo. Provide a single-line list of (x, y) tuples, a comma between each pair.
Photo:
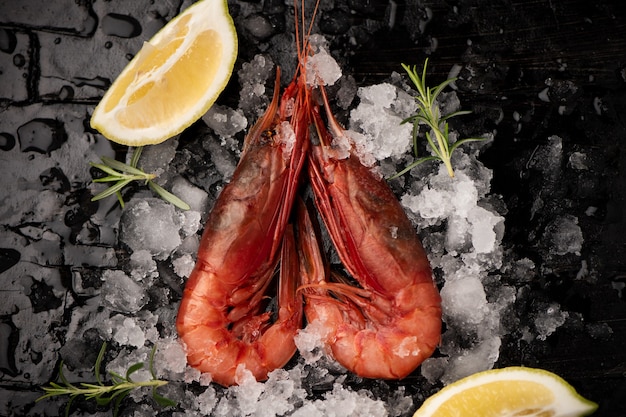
[(445, 153), (100, 390)]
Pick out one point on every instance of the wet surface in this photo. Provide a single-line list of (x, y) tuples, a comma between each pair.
[(548, 78)]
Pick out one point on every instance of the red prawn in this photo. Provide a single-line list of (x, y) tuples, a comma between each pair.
[(383, 328)]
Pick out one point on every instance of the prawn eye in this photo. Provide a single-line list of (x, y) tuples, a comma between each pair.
[(268, 134)]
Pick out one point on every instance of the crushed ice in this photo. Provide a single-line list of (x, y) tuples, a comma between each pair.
[(457, 218)]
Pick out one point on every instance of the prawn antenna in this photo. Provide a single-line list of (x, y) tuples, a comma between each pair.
[(302, 32)]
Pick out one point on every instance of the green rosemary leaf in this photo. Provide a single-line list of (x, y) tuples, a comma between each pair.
[(120, 199), (108, 178), (161, 400), (462, 141), (118, 400), (440, 88), (454, 114), (122, 167), (167, 196), (134, 368), (123, 174), (67, 407), (98, 363), (151, 362), (111, 190), (134, 160), (413, 165), (117, 378), (103, 394), (106, 169), (102, 401)]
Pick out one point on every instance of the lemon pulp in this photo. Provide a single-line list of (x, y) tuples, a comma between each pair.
[(508, 392), (512, 398)]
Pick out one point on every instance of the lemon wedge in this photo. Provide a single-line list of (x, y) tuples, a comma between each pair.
[(508, 392), (173, 79)]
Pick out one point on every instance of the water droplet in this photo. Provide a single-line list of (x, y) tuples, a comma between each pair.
[(8, 258), (8, 341), (274, 7), (108, 44), (54, 179), (36, 357), (41, 135), (19, 60), (370, 8), (153, 24), (75, 217), (8, 41), (97, 82), (57, 41), (90, 24), (120, 25), (259, 26), (42, 298), (7, 141), (66, 93), (88, 234), (335, 22)]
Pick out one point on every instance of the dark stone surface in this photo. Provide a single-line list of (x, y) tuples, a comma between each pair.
[(530, 71)]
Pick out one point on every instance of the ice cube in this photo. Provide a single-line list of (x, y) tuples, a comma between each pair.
[(563, 235), (121, 293), (155, 159), (194, 196), (225, 121), (464, 300), (383, 134), (128, 333), (322, 69), (487, 229), (151, 224), (170, 357), (548, 319), (480, 357), (206, 401), (142, 265), (183, 265), (309, 341)]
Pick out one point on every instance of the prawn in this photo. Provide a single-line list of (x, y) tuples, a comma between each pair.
[(391, 323), (220, 318), (383, 329)]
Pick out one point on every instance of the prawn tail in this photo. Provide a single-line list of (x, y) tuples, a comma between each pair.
[(277, 344)]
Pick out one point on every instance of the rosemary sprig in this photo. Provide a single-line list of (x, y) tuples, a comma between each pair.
[(122, 174), (106, 394), (429, 114)]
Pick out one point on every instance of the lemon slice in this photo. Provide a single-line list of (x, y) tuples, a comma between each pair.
[(173, 79), (508, 392)]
